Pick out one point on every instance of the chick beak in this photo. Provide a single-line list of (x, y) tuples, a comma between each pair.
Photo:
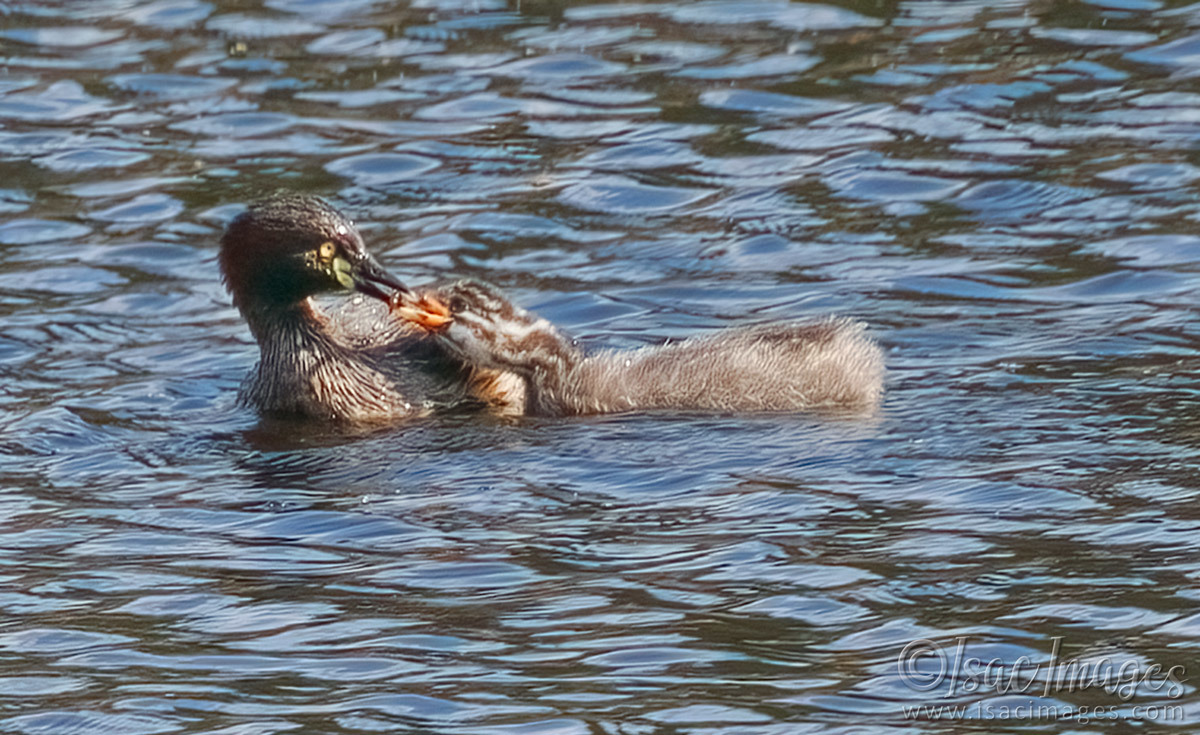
[(368, 276), (425, 311)]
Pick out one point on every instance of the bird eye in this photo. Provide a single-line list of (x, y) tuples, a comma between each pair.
[(326, 250), (457, 304)]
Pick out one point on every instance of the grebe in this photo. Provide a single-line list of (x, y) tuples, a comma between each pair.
[(352, 361), (828, 364)]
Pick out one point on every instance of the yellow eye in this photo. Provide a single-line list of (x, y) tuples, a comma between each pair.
[(326, 250)]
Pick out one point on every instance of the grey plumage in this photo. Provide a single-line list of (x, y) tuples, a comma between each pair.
[(350, 361), (358, 362), (829, 364), (312, 364)]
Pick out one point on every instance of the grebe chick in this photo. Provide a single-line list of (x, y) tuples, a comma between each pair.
[(830, 364), (353, 362)]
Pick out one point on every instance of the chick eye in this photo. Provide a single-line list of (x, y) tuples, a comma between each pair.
[(326, 250), (457, 304)]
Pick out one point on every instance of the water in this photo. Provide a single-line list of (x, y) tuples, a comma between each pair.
[(1005, 192)]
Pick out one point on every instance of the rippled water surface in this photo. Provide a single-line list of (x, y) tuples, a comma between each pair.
[(1005, 191)]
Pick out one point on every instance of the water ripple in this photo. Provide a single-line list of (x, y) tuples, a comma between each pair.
[(618, 194), (1003, 192), (64, 100)]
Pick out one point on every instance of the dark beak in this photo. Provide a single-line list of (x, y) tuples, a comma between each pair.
[(369, 275)]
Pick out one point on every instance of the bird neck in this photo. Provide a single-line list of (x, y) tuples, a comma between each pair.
[(283, 329), (549, 363), (304, 369), (273, 323)]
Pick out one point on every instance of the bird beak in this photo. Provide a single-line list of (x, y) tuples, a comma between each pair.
[(424, 311), (367, 275)]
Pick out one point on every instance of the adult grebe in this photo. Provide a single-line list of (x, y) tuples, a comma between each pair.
[(352, 361)]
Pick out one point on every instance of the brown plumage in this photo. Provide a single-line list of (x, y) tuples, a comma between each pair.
[(829, 364), (350, 362)]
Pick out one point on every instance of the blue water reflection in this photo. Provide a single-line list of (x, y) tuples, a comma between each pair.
[(1004, 191)]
